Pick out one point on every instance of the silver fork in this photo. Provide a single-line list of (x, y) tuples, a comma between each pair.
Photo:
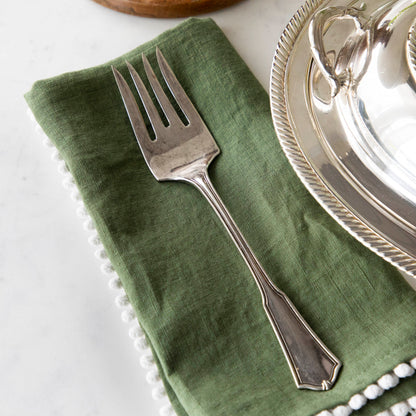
[(183, 152)]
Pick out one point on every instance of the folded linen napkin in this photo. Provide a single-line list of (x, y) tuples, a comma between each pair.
[(190, 289)]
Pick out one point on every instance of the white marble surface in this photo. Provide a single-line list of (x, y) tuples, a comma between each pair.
[(63, 348)]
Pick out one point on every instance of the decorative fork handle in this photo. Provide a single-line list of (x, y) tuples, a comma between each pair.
[(313, 366)]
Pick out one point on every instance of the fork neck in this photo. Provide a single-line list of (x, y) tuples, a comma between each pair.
[(203, 183), (200, 179)]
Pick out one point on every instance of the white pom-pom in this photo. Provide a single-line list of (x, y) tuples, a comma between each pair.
[(413, 363), (94, 240), (136, 332), (384, 413), (147, 361), (400, 409), (115, 283), (153, 377), (56, 156), (167, 410), (82, 211), (107, 268), (122, 300), (412, 402), (46, 141), (373, 391), (159, 392), (38, 130), (128, 315), (324, 413), (388, 381), (357, 401), (101, 254), (404, 370), (88, 224), (63, 168), (75, 195), (68, 182), (140, 343), (342, 411)]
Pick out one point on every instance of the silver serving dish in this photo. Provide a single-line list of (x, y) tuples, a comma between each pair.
[(343, 98)]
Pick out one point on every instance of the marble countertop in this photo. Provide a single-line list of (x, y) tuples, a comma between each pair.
[(64, 349)]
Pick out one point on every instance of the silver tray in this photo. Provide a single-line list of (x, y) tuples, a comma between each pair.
[(343, 101)]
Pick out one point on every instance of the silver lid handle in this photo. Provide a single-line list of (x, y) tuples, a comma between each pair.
[(352, 58)]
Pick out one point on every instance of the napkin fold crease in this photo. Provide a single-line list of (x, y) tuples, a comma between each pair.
[(185, 281)]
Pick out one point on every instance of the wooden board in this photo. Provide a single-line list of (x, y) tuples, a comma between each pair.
[(166, 8)]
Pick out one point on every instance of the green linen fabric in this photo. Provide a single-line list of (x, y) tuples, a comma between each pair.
[(192, 292)]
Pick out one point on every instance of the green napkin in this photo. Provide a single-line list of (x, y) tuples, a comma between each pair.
[(192, 292)]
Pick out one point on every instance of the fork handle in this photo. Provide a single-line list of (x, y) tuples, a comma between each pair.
[(312, 365)]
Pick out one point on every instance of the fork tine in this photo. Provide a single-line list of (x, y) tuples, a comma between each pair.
[(136, 119), (163, 100), (150, 108), (176, 88)]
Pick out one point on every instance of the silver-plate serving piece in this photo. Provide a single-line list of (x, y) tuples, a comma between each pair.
[(343, 99)]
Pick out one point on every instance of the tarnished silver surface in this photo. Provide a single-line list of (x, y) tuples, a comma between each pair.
[(343, 98), (183, 152)]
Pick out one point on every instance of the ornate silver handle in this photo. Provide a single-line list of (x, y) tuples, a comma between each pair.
[(353, 57), (312, 364)]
